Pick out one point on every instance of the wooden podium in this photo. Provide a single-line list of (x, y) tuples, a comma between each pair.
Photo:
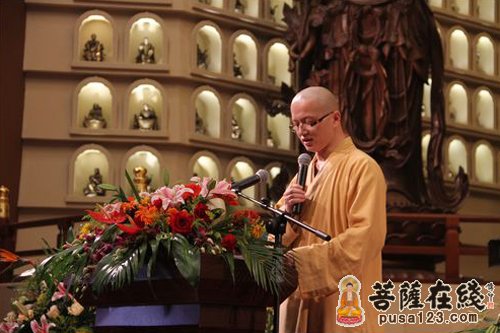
[(169, 304)]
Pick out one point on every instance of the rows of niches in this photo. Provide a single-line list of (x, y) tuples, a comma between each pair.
[(471, 90)]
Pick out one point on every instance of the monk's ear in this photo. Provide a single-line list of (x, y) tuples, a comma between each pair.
[(337, 118)]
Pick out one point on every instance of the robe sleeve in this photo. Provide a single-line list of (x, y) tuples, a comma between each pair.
[(290, 234), (321, 266)]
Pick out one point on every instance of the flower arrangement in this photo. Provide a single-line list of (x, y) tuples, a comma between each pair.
[(131, 233)]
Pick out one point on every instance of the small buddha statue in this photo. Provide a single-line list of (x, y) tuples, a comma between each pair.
[(145, 52), (4, 203), (92, 189), (200, 127), (94, 119), (235, 129), (349, 311), (239, 6), (141, 179), (146, 120), (270, 142), (237, 70), (201, 57), (93, 49)]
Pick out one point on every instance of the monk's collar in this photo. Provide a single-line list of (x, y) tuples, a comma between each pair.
[(345, 146)]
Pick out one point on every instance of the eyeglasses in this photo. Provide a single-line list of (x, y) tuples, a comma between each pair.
[(308, 123)]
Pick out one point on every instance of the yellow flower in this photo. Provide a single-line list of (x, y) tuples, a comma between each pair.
[(85, 229), (75, 309), (53, 312), (257, 230)]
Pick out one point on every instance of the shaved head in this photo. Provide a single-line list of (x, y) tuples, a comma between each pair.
[(322, 98)]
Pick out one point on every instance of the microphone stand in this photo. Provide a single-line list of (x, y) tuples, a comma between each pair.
[(277, 227)]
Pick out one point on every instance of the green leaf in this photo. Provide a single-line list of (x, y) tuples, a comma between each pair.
[(71, 235), (166, 177), (154, 245), (132, 186), (229, 259), (187, 259), (108, 187)]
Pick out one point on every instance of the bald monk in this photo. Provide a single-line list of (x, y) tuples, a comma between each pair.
[(345, 196)]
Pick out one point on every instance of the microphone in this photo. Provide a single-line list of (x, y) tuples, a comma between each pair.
[(303, 160), (260, 176)]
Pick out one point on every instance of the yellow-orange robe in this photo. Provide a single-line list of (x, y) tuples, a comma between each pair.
[(346, 199)]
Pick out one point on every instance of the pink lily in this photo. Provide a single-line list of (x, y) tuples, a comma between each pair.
[(223, 189), (113, 208), (203, 182), (170, 196), (61, 292), (43, 327), (9, 327)]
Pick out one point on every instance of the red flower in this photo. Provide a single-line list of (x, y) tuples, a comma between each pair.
[(103, 217), (196, 191), (157, 203), (180, 221), (200, 211), (229, 242)]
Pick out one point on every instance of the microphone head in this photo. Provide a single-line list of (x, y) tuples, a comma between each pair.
[(304, 159), (263, 175)]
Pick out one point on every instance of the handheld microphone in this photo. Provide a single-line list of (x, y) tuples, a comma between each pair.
[(303, 160), (259, 177)]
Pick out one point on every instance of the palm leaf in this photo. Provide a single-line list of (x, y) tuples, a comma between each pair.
[(166, 177), (187, 259), (132, 186), (108, 187)]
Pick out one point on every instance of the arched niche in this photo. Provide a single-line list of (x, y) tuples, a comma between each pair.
[(241, 168), (436, 3), (146, 40), (484, 165), (459, 49), (457, 156), (426, 99), (485, 55), (246, 7), (277, 64), (208, 47), (426, 138), (460, 6), (274, 169), (484, 109), (146, 101), (244, 56), (103, 47), (276, 9), (148, 158), (213, 3), (85, 162), (205, 164), (458, 102), (94, 97), (207, 112), (278, 131), (243, 111), (486, 10)]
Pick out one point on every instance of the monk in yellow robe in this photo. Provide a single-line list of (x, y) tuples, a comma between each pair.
[(345, 196)]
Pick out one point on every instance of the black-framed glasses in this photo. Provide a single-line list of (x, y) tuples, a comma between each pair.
[(308, 123)]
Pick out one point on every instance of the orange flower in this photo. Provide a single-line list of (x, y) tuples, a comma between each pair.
[(128, 206), (147, 214), (257, 230)]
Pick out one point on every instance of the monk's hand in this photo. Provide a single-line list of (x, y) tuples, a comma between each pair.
[(294, 194)]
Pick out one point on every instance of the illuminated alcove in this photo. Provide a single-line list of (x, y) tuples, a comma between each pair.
[(485, 55), (145, 30), (484, 164), (274, 169), (426, 99), (213, 3), (436, 3), (459, 49), (276, 9), (145, 96), (148, 158), (243, 111), (457, 157), (94, 96), (209, 45), (245, 57), (98, 23), (240, 168), (278, 128), (460, 6), (85, 164), (458, 104), (277, 64), (484, 109), (208, 109), (426, 138), (205, 164), (246, 7), (486, 10)]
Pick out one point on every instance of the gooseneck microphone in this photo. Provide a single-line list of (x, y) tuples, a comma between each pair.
[(260, 176), (303, 160)]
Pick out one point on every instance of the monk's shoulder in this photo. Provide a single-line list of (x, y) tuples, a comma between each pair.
[(360, 160)]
